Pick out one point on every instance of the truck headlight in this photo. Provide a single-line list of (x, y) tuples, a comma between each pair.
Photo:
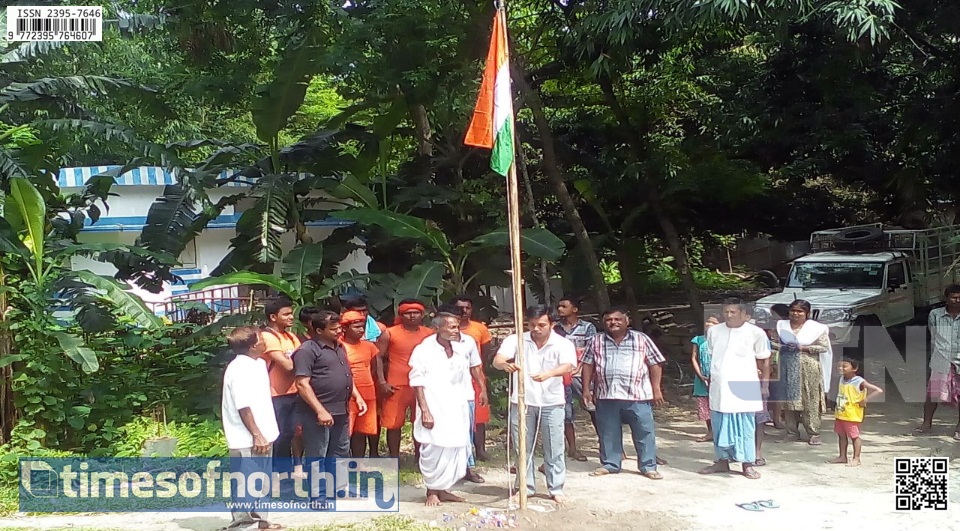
[(836, 315)]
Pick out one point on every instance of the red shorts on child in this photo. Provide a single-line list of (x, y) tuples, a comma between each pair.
[(848, 428)]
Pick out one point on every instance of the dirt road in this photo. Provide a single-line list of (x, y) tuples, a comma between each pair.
[(811, 494)]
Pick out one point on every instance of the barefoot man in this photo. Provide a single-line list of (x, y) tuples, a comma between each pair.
[(548, 357), (737, 388), (440, 377)]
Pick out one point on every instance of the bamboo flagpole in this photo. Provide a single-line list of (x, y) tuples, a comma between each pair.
[(492, 127)]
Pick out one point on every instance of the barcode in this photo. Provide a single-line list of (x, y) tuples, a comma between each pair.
[(52, 24), (921, 483), (58, 25)]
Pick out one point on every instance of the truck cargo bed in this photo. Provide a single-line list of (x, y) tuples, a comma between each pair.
[(934, 254)]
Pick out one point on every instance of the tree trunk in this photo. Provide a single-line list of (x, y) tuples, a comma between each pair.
[(421, 123), (532, 205), (628, 276), (8, 410), (551, 169), (670, 233)]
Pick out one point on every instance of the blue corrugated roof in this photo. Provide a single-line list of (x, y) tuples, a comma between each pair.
[(226, 221), (142, 176)]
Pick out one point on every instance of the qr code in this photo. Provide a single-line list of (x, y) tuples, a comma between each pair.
[(921, 483)]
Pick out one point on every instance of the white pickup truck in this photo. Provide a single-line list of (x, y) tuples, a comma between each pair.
[(868, 276)]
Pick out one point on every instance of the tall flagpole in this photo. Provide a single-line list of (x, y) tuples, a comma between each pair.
[(516, 276)]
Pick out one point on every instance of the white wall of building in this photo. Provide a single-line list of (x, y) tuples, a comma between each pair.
[(204, 254)]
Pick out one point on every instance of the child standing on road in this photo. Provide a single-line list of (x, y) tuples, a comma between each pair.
[(852, 397), (700, 358)]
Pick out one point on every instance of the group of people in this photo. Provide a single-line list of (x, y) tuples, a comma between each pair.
[(793, 376), (329, 392), (748, 378)]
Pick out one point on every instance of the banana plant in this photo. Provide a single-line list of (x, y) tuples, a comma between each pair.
[(35, 275), (301, 279), (537, 242)]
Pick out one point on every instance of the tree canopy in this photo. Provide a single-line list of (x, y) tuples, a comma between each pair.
[(643, 126)]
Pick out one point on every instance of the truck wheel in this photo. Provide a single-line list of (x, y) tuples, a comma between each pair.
[(861, 325), (768, 279)]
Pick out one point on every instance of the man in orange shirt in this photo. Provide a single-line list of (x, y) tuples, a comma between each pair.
[(280, 344), (373, 331), (397, 345), (361, 355), (481, 334)]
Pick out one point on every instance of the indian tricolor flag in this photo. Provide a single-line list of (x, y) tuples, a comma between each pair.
[(492, 123)]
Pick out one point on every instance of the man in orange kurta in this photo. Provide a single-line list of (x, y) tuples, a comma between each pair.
[(481, 334), (361, 354), (397, 344)]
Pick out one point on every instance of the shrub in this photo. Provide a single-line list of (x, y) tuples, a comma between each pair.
[(62, 407), (196, 437), (10, 473)]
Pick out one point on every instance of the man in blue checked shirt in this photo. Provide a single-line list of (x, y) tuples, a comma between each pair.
[(626, 366), (580, 332)]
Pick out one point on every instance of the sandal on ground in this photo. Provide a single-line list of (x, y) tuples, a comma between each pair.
[(815, 441), (751, 474), (760, 462), (956, 435), (920, 430), (601, 472), (661, 461), (768, 504), (578, 457), (264, 526), (652, 474), (704, 438), (752, 506)]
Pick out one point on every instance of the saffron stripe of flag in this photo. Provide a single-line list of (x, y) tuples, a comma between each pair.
[(492, 124)]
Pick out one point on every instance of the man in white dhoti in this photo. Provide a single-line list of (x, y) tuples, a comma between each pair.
[(440, 376), (739, 380)]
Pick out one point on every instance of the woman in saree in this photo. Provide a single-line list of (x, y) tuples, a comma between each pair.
[(806, 359)]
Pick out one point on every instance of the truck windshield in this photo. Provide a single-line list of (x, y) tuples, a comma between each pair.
[(836, 275)]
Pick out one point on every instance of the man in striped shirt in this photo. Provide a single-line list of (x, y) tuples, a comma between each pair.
[(626, 367), (943, 384)]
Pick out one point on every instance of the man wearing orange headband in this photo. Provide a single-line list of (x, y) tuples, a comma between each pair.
[(361, 355), (396, 346)]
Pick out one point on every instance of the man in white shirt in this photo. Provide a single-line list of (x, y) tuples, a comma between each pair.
[(547, 357), (737, 388), (440, 375), (943, 384), (249, 423)]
